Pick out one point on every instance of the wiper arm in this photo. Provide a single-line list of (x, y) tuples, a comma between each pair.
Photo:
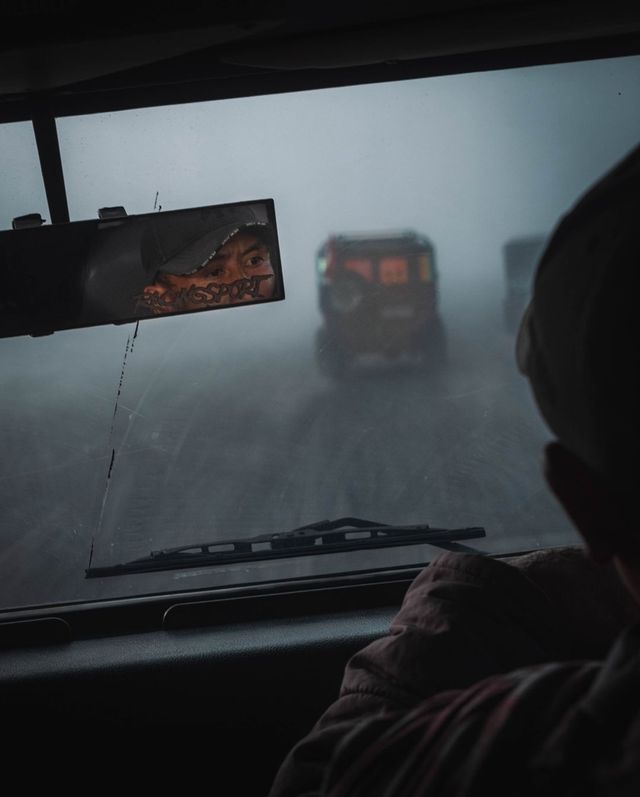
[(325, 536)]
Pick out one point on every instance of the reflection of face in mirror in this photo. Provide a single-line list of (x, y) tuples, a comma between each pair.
[(240, 271)]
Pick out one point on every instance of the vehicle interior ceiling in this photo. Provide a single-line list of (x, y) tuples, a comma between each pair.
[(250, 664)]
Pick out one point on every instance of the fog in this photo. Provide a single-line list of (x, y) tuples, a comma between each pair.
[(224, 426)]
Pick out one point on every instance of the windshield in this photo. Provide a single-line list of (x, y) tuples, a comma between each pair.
[(383, 387)]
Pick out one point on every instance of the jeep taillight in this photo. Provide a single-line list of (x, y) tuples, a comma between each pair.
[(424, 268), (328, 262)]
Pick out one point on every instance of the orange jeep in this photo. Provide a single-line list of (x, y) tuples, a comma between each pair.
[(378, 295)]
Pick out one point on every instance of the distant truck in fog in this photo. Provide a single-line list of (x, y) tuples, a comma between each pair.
[(378, 294), (520, 257)]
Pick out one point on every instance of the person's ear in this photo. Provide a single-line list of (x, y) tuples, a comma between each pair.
[(585, 498)]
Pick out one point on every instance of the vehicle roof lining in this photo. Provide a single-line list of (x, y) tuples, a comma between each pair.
[(125, 94), (271, 47), (486, 27)]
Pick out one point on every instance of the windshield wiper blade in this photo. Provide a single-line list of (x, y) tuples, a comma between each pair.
[(325, 536)]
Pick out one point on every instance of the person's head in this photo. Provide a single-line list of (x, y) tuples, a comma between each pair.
[(578, 345), (230, 262)]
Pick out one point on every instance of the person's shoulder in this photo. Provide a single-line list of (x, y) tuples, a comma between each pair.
[(482, 739)]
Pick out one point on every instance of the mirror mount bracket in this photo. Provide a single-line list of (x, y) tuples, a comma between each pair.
[(30, 220)]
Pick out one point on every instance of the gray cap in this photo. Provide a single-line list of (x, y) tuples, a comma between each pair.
[(578, 341), (181, 242)]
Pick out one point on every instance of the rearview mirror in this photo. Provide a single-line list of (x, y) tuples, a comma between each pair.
[(129, 268)]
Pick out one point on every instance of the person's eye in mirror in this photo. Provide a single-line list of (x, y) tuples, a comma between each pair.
[(258, 258)]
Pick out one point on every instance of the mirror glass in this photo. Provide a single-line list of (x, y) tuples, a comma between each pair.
[(118, 268)]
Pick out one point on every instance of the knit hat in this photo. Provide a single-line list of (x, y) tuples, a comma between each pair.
[(578, 342), (180, 243)]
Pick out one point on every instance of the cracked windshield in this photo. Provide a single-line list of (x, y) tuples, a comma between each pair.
[(408, 219)]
